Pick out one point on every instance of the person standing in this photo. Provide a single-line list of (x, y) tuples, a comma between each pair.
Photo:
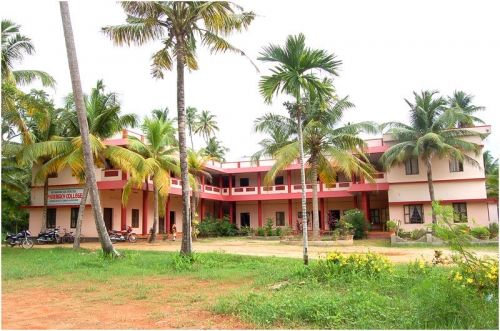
[(174, 231)]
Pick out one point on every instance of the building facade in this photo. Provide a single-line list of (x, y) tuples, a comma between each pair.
[(236, 190)]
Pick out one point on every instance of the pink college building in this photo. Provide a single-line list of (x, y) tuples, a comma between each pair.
[(236, 190)]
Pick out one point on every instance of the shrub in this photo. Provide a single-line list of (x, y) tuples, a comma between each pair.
[(268, 228), (357, 219), (211, 227), (260, 232), (493, 227), (391, 225), (417, 234), (278, 232), (481, 273), (480, 232), (245, 231), (369, 264), (419, 267), (403, 234)]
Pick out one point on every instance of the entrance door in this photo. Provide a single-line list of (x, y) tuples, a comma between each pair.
[(376, 225), (245, 219), (108, 218), (161, 224), (172, 221), (333, 218)]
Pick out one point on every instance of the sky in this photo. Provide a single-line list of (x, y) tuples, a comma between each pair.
[(388, 50)]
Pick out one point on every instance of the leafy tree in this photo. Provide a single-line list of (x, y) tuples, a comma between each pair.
[(491, 172), (159, 160), (206, 125), (214, 150), (295, 72), (432, 134), (332, 148), (181, 26)]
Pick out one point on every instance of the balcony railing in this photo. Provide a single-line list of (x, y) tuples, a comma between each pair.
[(244, 190), (274, 189), (110, 174), (340, 186)]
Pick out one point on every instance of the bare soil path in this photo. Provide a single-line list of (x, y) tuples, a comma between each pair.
[(275, 248)]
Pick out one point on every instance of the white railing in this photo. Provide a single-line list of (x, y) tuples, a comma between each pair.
[(212, 189), (340, 186), (244, 190), (297, 188), (276, 189), (110, 174)]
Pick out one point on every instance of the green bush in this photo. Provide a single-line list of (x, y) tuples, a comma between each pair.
[(245, 231), (260, 232), (493, 227), (278, 232), (480, 232), (268, 228), (369, 264), (417, 234), (391, 225), (357, 219), (403, 234), (211, 227)]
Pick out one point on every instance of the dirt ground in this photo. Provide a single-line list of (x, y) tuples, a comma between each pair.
[(275, 248), (146, 303)]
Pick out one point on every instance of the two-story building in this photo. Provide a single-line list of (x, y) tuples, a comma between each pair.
[(236, 190)]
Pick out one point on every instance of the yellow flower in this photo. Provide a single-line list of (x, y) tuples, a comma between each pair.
[(470, 280)]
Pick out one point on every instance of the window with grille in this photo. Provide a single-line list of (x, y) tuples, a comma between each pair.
[(74, 217), (280, 218), (456, 165), (51, 218), (460, 212), (135, 218), (411, 166), (279, 180), (414, 214)]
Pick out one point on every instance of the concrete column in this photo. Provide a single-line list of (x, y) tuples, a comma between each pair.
[(145, 209), (323, 219), (167, 216), (259, 206), (230, 185), (289, 180), (365, 205), (231, 212), (259, 182), (290, 216), (202, 209), (124, 217)]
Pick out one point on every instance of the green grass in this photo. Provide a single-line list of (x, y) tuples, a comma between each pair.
[(392, 301)]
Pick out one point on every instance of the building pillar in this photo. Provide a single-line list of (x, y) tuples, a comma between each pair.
[(202, 183), (167, 216), (230, 185), (289, 180), (323, 219), (145, 209), (259, 182), (202, 209), (290, 216), (365, 205), (124, 217), (231, 212), (259, 206), (220, 209)]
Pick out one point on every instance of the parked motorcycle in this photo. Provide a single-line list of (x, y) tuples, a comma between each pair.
[(123, 235), (68, 237), (22, 239), (50, 236)]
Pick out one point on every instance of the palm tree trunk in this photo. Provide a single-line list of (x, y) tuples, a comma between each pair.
[(45, 203), (81, 210), (191, 137), (186, 246), (106, 244), (303, 185), (152, 237), (428, 163), (314, 175)]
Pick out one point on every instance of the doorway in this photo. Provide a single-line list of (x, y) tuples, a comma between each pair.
[(172, 221), (108, 218), (161, 224), (245, 219)]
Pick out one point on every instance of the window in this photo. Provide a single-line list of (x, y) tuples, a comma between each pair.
[(456, 165), (51, 218), (74, 217), (460, 212), (279, 180), (280, 218), (414, 214), (411, 166), (375, 216), (244, 182), (135, 218)]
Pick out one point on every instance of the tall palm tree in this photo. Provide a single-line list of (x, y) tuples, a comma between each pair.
[(331, 148), (462, 102), (214, 150), (14, 47), (206, 125), (191, 117), (295, 72), (106, 244), (491, 172), (159, 160), (432, 133), (161, 114), (180, 26)]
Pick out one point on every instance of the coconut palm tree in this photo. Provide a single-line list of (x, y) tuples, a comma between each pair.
[(180, 25), (462, 102), (191, 116), (106, 244), (206, 125), (432, 134), (294, 73), (159, 153), (331, 148), (14, 47), (214, 150), (491, 172)]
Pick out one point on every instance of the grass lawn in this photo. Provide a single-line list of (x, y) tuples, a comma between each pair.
[(231, 291)]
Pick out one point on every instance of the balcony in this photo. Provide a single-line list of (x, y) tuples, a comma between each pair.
[(340, 186), (276, 189), (297, 188), (109, 175), (244, 190), (212, 189)]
